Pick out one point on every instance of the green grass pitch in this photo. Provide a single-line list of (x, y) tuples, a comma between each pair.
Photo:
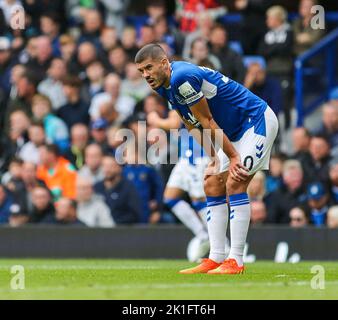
[(158, 279)]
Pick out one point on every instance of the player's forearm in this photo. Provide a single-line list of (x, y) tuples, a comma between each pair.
[(204, 140), (218, 137)]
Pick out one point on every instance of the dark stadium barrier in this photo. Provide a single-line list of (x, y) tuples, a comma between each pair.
[(167, 242)]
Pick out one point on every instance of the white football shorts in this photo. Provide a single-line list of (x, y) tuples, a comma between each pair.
[(254, 149)]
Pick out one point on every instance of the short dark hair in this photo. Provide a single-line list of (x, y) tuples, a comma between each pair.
[(52, 148), (152, 50), (72, 81)]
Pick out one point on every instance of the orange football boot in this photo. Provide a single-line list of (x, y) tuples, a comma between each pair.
[(229, 266), (204, 267)]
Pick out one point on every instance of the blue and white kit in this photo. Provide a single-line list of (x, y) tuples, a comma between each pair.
[(249, 123)]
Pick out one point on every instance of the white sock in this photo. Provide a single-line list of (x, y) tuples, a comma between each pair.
[(187, 215), (217, 226), (239, 225)]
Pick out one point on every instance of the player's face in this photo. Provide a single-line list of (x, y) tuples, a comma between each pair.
[(154, 72)]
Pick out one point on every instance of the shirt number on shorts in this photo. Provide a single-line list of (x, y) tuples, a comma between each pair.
[(248, 162)]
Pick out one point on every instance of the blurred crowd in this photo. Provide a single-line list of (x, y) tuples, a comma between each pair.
[(68, 84)]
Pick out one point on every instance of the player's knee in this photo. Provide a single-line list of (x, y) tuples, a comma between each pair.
[(213, 186), (234, 187), (170, 202)]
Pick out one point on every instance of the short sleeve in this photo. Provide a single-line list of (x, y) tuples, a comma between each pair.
[(188, 88)]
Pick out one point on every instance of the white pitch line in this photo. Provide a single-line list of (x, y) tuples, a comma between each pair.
[(80, 267)]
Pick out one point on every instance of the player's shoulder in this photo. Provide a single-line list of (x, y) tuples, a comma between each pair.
[(182, 71)]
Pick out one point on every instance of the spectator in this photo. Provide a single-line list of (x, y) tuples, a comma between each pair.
[(51, 86), (6, 64), (19, 123), (333, 174), (258, 212), (231, 62), (264, 86), (290, 195), (332, 217), (147, 35), (252, 28), (43, 209), (56, 130), (79, 140), (205, 24), (16, 73), (124, 105), (188, 12), (120, 194), (301, 139), (299, 217), (68, 51), (92, 23), (200, 52), (330, 123), (168, 35), (149, 186), (57, 173), (26, 89), (41, 62), (108, 39), (12, 178), (273, 179), (318, 202), (128, 41), (30, 150), (75, 110), (92, 168), (98, 133), (50, 26), (86, 54), (91, 208), (276, 48), (304, 35), (115, 11), (316, 168), (22, 195), (134, 85), (65, 214), (118, 60), (94, 83), (13, 142), (6, 202)]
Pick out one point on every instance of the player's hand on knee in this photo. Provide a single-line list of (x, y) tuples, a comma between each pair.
[(237, 170)]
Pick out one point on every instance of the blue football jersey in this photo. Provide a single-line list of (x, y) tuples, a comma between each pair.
[(234, 108)]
